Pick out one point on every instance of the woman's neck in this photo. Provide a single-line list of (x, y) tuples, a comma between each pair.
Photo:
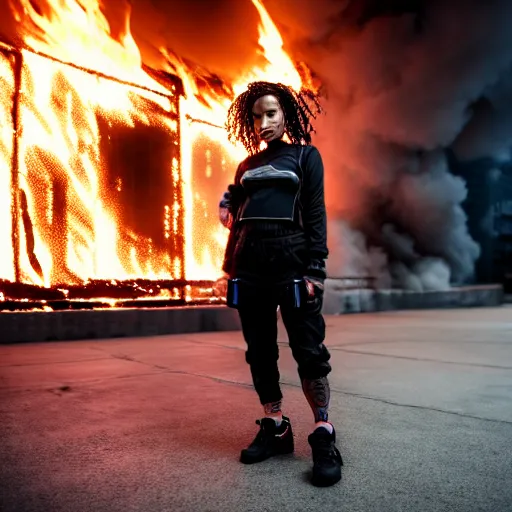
[(275, 143)]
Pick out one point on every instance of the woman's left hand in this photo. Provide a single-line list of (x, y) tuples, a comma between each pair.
[(311, 284)]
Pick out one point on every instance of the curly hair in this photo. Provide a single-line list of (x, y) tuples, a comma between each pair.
[(298, 108)]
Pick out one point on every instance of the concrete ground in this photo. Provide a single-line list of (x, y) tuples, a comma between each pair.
[(422, 401)]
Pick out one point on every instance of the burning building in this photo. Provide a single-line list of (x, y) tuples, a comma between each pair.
[(111, 169)]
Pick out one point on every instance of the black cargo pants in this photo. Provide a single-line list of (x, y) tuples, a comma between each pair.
[(267, 265)]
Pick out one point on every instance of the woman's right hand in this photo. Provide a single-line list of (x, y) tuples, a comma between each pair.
[(225, 209), (220, 287)]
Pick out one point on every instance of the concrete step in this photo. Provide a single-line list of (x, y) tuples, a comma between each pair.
[(35, 326), (340, 300)]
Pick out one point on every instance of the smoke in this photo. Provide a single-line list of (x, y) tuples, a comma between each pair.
[(220, 36), (489, 132), (407, 82)]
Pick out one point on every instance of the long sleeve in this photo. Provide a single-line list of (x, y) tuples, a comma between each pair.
[(314, 216), (231, 202)]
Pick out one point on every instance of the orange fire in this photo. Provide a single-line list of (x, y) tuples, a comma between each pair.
[(6, 140), (72, 220)]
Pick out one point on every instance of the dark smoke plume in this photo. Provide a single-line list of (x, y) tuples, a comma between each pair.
[(406, 83)]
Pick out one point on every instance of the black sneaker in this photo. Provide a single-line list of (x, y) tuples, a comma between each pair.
[(271, 440), (327, 460)]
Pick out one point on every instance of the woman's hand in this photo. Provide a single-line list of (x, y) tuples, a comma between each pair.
[(225, 209), (220, 287), (313, 284)]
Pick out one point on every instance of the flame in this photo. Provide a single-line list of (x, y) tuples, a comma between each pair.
[(68, 117), (204, 259), (78, 32), (73, 200), (280, 67), (6, 149)]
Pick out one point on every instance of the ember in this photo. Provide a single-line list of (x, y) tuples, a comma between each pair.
[(111, 181)]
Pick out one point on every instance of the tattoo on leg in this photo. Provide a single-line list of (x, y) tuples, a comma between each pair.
[(273, 407), (318, 394)]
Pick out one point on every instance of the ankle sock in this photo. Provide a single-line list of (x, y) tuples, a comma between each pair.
[(325, 424), (273, 410), (277, 419)]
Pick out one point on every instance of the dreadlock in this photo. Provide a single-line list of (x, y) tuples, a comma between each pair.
[(298, 110)]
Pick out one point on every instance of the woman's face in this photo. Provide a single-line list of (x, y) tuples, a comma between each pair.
[(268, 118)]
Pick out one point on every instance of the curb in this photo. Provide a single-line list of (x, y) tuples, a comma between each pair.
[(37, 326), (40, 326), (339, 300)]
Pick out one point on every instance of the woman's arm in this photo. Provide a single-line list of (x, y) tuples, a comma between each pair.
[(229, 205), (314, 216), (232, 199)]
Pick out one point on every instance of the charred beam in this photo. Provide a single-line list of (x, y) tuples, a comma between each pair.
[(15, 195)]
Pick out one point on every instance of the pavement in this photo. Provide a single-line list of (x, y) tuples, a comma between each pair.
[(422, 403)]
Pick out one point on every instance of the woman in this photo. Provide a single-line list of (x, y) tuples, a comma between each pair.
[(275, 211)]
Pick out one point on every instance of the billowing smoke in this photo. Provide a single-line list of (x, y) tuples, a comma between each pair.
[(407, 83)]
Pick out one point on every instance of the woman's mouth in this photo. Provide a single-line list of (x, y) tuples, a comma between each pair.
[(266, 134)]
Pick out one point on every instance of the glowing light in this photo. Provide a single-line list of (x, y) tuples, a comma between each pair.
[(72, 227), (6, 148), (205, 238)]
